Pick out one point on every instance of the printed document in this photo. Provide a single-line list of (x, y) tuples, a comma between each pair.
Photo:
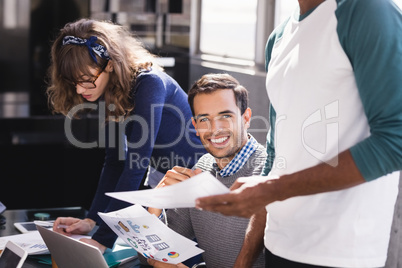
[(145, 233), (179, 195)]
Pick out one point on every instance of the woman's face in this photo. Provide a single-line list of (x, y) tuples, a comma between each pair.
[(85, 87)]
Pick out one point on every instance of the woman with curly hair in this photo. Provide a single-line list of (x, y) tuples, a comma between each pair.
[(147, 116)]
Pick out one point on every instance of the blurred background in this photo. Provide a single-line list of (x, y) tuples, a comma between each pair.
[(191, 37)]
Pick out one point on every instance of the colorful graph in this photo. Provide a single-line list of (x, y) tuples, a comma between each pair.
[(173, 254)]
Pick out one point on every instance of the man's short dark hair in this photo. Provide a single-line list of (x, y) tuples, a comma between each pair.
[(210, 83)]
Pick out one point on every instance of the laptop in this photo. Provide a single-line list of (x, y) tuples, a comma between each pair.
[(68, 252)]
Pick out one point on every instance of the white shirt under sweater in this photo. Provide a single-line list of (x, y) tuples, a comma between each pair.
[(220, 236), (319, 113)]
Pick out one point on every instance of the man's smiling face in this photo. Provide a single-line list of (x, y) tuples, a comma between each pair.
[(221, 127)]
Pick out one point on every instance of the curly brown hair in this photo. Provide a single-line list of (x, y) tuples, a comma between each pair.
[(128, 57)]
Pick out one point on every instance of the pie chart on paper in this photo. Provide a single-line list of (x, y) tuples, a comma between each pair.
[(173, 254)]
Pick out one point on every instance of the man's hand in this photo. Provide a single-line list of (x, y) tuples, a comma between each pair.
[(75, 225), (177, 174), (158, 264)]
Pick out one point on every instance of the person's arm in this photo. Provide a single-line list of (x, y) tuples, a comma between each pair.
[(75, 225), (253, 241), (111, 171), (177, 174), (110, 174), (368, 32), (141, 129), (318, 179)]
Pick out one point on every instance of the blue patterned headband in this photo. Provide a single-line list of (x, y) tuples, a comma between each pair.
[(90, 43)]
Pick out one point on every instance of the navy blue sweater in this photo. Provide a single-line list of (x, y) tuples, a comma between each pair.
[(158, 133)]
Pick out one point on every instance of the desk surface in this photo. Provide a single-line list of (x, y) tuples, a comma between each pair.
[(23, 215)]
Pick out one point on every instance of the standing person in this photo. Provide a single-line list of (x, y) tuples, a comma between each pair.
[(335, 86), (95, 62), (221, 117)]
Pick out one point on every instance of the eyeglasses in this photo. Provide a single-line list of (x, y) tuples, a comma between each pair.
[(91, 84)]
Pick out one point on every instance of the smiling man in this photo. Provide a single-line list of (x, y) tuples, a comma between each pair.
[(221, 117)]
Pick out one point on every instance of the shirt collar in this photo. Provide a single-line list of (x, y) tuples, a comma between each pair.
[(240, 158)]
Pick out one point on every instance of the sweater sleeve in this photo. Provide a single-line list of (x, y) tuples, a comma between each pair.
[(370, 32), (277, 34), (141, 130), (111, 171), (270, 143)]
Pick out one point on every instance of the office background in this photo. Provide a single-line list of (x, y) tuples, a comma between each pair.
[(39, 166)]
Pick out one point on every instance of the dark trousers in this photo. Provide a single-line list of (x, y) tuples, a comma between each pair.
[(273, 261)]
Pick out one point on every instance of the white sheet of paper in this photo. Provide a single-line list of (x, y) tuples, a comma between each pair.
[(179, 195), (149, 236), (32, 242)]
